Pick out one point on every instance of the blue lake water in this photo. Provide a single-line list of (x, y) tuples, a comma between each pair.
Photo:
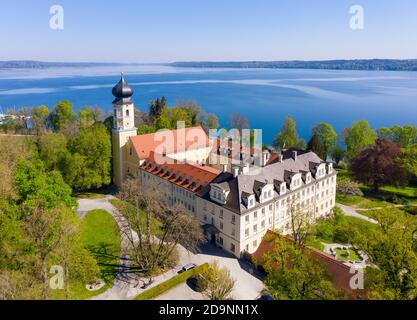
[(265, 96)]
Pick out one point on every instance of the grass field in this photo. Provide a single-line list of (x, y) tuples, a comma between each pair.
[(89, 195), (123, 206), (100, 235), (346, 255), (385, 197)]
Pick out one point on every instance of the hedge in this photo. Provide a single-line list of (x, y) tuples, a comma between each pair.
[(170, 283)]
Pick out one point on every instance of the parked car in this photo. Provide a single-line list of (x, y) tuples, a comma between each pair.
[(187, 267)]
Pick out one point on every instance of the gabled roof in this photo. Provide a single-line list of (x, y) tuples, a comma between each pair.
[(182, 140), (339, 272), (188, 175), (249, 183)]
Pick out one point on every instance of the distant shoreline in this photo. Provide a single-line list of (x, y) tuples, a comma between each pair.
[(354, 65), (357, 65)]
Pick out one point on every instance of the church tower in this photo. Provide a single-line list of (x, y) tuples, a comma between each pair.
[(123, 126)]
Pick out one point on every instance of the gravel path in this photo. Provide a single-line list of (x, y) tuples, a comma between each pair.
[(351, 211)]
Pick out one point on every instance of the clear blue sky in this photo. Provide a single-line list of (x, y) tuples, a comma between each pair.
[(183, 30)]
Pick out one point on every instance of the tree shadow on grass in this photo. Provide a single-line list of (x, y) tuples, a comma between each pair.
[(112, 265)]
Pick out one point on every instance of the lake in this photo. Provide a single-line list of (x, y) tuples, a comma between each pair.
[(265, 96)]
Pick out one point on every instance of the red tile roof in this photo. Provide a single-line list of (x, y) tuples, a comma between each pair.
[(188, 175), (182, 140), (339, 272)]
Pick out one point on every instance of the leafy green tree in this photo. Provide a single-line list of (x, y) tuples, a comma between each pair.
[(217, 282), (108, 123), (288, 136), (193, 109), (89, 165), (323, 139), (338, 154), (145, 129), (179, 114), (163, 121), (358, 137), (52, 150), (293, 274), (406, 135), (62, 115), (46, 189), (40, 117), (212, 121), (409, 159), (88, 116), (391, 248)]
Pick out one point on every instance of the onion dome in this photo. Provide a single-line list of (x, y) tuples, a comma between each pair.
[(122, 92)]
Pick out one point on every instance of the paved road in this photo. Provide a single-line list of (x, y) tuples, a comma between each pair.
[(351, 211), (247, 286)]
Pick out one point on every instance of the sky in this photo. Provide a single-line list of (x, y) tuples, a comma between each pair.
[(206, 30)]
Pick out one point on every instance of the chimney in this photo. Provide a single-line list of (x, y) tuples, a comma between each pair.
[(235, 171), (280, 158), (265, 158), (295, 154)]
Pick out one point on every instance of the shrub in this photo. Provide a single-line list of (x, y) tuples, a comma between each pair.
[(170, 283), (410, 210), (348, 187)]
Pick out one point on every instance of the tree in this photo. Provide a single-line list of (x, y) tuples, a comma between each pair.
[(406, 135), (40, 117), (89, 165), (391, 248), (239, 122), (156, 108), (41, 188), (378, 165), (358, 138), (154, 228), (163, 121), (193, 109), (288, 136), (294, 274), (218, 282), (409, 160), (338, 154), (212, 121), (52, 150), (347, 187), (179, 114), (323, 139), (88, 117), (62, 115), (300, 220)]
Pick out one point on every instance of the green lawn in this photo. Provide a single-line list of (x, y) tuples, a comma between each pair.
[(346, 255), (123, 206), (373, 214), (100, 235), (361, 202), (385, 197), (337, 229), (89, 195)]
